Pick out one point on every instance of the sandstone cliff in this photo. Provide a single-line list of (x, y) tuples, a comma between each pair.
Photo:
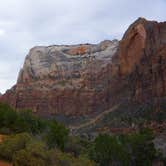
[(140, 62), (63, 79), (89, 78)]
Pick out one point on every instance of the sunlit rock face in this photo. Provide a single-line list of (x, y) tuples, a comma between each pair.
[(66, 63), (140, 64), (64, 79), (86, 79)]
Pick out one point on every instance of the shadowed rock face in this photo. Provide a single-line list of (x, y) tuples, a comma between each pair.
[(85, 79)]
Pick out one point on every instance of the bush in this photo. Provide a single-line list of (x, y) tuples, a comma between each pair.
[(29, 122), (63, 159), (13, 144), (77, 146), (57, 135), (132, 149), (106, 151), (34, 154), (16, 122), (7, 116), (142, 147), (37, 154)]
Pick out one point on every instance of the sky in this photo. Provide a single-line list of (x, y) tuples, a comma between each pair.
[(27, 23)]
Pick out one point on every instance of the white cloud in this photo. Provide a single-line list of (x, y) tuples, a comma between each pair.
[(26, 23), (2, 32)]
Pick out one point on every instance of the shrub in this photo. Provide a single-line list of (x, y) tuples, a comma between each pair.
[(132, 149), (63, 159), (16, 122), (37, 154), (34, 154), (106, 151), (77, 146), (29, 122), (13, 144), (142, 148), (57, 135), (7, 116)]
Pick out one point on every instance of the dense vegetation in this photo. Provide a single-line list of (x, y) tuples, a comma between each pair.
[(32, 141)]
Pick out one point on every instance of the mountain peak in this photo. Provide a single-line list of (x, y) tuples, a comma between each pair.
[(83, 79)]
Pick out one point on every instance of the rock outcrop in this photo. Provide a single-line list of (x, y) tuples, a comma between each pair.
[(89, 78), (140, 63), (63, 79)]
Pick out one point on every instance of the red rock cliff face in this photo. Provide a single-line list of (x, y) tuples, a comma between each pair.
[(137, 72), (140, 63), (85, 79)]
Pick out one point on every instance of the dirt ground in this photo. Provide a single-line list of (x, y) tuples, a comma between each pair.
[(2, 163), (1, 139)]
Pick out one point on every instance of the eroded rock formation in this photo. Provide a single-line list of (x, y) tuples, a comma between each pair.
[(63, 79), (88, 78), (142, 60)]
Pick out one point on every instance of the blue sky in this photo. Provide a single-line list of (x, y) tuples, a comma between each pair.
[(27, 23)]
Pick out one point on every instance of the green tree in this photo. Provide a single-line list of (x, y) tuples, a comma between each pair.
[(142, 147), (23, 121), (57, 135), (13, 144), (77, 146), (7, 118), (107, 150), (30, 123)]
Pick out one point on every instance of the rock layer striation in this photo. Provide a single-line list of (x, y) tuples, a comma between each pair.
[(88, 78), (63, 79)]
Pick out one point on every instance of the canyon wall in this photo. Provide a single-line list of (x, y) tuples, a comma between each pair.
[(86, 79)]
